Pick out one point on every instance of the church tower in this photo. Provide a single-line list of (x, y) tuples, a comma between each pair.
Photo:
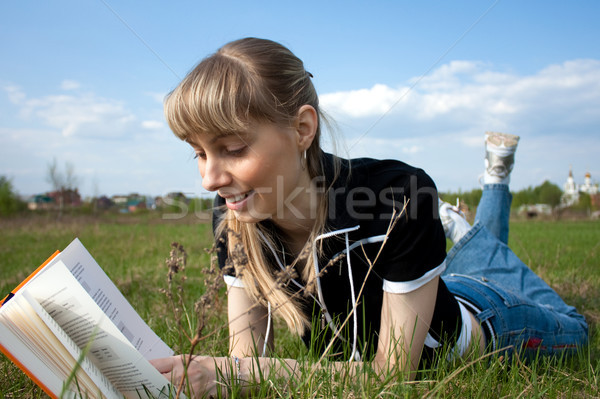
[(571, 192), (588, 186)]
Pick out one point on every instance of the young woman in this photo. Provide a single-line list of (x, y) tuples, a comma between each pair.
[(350, 253)]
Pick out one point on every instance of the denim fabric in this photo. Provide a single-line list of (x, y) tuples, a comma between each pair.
[(494, 210), (524, 311)]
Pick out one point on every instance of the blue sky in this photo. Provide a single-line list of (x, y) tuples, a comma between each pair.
[(83, 81)]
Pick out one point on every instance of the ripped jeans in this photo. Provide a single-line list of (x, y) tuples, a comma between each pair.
[(520, 310)]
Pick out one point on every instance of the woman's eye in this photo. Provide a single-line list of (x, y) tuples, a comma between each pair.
[(200, 155), (236, 150)]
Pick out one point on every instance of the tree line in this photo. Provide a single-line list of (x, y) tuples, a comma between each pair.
[(546, 193)]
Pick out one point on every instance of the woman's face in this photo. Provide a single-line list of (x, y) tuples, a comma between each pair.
[(258, 172)]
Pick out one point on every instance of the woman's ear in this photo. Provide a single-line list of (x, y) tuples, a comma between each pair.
[(306, 126)]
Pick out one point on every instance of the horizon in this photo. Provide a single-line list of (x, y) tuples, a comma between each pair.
[(211, 195)]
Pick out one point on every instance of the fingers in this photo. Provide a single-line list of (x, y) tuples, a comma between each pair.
[(167, 364), (200, 372)]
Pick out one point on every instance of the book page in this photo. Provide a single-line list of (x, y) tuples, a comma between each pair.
[(112, 302), (49, 356), (20, 354), (85, 323), (49, 342)]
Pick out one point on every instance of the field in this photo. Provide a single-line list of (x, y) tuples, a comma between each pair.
[(133, 251)]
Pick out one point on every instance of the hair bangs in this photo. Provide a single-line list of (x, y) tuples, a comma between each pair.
[(220, 96)]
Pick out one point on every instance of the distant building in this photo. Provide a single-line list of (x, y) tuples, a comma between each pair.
[(136, 203), (171, 198), (587, 186), (55, 200), (131, 203), (532, 211), (104, 202), (119, 200), (66, 197), (572, 190), (40, 202)]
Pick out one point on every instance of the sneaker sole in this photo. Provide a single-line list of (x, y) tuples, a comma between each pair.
[(501, 139)]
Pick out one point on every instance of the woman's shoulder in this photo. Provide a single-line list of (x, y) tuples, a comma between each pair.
[(374, 188), (379, 174)]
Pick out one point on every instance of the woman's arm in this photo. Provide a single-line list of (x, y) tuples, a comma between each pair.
[(405, 320), (247, 331), (206, 376), (247, 324)]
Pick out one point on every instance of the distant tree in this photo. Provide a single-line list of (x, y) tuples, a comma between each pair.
[(54, 177), (523, 197), (548, 193), (59, 180), (71, 180), (9, 200), (96, 194), (470, 198), (62, 183), (584, 203), (200, 207)]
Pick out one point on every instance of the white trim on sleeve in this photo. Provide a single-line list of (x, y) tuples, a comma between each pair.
[(233, 281), (404, 287)]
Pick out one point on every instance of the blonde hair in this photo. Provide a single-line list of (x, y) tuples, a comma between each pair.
[(244, 81)]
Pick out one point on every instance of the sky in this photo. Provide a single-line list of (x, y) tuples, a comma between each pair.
[(82, 84)]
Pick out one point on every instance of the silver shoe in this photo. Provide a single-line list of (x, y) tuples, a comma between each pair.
[(500, 153), (450, 216)]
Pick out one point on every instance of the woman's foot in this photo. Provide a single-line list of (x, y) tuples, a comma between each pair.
[(499, 157), (453, 220)]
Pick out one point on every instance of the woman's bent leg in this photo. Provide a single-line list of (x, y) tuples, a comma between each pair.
[(494, 207), (480, 255), (524, 311), (493, 210), (518, 323)]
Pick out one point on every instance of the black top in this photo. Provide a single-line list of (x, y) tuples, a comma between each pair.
[(362, 200)]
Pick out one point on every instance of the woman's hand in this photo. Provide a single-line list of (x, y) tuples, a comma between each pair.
[(202, 378)]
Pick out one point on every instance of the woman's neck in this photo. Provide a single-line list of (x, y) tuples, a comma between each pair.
[(299, 218)]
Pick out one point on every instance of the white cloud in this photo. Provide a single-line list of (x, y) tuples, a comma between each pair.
[(113, 149), (70, 85), (81, 115), (152, 125), (440, 123), (363, 102), (15, 94), (473, 141), (413, 149), (471, 93), (157, 97)]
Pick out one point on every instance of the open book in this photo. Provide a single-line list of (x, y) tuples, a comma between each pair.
[(68, 318)]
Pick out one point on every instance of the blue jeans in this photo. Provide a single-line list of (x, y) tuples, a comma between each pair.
[(525, 313)]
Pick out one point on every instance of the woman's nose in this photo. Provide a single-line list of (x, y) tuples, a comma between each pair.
[(215, 175)]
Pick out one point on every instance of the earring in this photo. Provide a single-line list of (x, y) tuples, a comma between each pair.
[(303, 161)]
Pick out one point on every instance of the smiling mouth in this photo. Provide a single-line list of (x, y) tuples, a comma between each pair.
[(237, 198)]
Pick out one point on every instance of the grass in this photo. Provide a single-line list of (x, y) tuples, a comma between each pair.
[(133, 251)]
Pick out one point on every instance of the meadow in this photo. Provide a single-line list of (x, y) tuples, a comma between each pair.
[(133, 251)]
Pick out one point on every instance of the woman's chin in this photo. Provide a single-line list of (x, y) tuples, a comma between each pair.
[(250, 217)]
